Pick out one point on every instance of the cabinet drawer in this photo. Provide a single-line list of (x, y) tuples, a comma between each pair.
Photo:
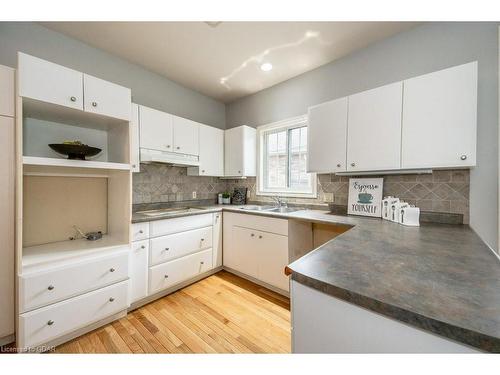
[(140, 231), (179, 224), (176, 271), (40, 289), (179, 244), (48, 323)]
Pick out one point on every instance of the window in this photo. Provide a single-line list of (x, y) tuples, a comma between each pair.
[(283, 160)]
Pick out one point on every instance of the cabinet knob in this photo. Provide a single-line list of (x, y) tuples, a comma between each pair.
[(168, 146), (50, 322), (178, 148), (203, 239), (133, 165), (167, 249), (166, 276), (94, 104), (73, 98), (339, 165), (252, 235), (111, 299), (143, 247), (51, 287), (463, 157), (202, 262), (353, 164), (141, 231), (111, 270), (239, 171), (202, 171), (260, 236)]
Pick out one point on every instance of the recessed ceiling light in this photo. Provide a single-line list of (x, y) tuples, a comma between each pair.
[(266, 67)]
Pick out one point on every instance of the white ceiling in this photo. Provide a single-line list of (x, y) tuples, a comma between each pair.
[(223, 62)]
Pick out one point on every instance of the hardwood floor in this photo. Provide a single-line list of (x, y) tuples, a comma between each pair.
[(220, 314)]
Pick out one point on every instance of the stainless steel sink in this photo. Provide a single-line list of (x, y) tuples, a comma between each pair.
[(257, 208), (285, 210), (169, 211)]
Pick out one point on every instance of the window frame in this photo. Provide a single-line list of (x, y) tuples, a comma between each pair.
[(288, 124)]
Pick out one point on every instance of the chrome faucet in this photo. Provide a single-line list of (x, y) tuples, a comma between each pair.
[(279, 201)]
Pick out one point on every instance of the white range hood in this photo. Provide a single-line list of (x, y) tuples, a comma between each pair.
[(182, 160)]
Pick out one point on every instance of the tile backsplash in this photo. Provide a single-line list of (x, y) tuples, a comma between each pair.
[(166, 183), (444, 191)]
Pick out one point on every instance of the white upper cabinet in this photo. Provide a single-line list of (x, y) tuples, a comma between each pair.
[(327, 137), (134, 139), (156, 129), (211, 153), (186, 136), (440, 118), (240, 150), (106, 98), (374, 129), (56, 84), (49, 82)]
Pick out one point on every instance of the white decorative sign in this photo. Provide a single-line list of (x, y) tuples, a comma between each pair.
[(365, 196)]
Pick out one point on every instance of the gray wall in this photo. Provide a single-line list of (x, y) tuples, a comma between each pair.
[(424, 49), (148, 88)]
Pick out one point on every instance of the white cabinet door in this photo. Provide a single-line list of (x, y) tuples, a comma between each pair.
[(134, 139), (242, 255), (211, 151), (271, 251), (217, 240), (7, 90), (327, 137), (374, 129), (186, 136), (48, 82), (240, 149), (156, 129), (139, 270), (106, 98), (233, 152), (440, 119)]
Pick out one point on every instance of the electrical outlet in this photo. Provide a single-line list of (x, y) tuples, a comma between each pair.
[(194, 194)]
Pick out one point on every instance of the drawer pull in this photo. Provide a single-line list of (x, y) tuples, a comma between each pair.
[(141, 231), (143, 247), (203, 239), (202, 262), (167, 249), (166, 276), (111, 270), (50, 322), (111, 299), (50, 287)]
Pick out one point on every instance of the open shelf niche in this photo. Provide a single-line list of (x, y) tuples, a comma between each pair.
[(55, 193)]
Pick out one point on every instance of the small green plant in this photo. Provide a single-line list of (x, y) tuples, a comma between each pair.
[(226, 195)]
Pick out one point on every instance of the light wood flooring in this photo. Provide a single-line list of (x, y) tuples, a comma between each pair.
[(220, 314)]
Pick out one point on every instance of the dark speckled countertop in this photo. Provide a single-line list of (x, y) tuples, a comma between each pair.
[(437, 277)]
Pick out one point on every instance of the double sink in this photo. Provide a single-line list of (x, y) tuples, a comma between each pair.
[(182, 210)]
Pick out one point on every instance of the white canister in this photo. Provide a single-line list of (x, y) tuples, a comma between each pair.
[(410, 216), (392, 202), (386, 204), (219, 198)]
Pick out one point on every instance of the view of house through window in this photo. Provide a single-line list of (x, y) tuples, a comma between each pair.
[(284, 160)]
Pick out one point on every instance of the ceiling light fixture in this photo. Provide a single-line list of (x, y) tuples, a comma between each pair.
[(266, 67)]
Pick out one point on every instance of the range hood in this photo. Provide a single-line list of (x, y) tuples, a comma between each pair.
[(180, 160)]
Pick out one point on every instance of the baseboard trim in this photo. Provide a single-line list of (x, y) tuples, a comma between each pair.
[(7, 339)]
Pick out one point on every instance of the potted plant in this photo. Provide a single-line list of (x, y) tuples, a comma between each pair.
[(226, 198)]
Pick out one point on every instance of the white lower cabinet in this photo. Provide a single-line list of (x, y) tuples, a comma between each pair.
[(43, 288), (176, 245), (139, 263), (260, 254), (48, 323), (176, 271)]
